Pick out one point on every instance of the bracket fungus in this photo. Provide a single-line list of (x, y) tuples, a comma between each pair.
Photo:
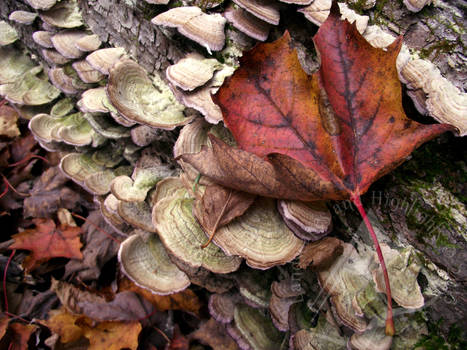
[(324, 336), (319, 10), (14, 64), (183, 236), (62, 107), (22, 17), (200, 99), (78, 166), (221, 306), (137, 214), (54, 58), (416, 5), (41, 4), (342, 280), (108, 209), (64, 82), (143, 135), (192, 71), (64, 43), (86, 72), (192, 22), (88, 43), (144, 260), (268, 11), (252, 329), (403, 270), (284, 294), (29, 89), (259, 236), (64, 14), (247, 23), (135, 189), (444, 102), (8, 34), (309, 221), (105, 126), (255, 287), (104, 59), (43, 38), (94, 101), (135, 97)]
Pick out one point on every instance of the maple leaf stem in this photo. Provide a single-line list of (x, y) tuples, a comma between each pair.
[(389, 320), (2, 102), (4, 279)]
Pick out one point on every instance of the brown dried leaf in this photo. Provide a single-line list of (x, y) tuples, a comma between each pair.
[(220, 205), (214, 334), (98, 249), (70, 296), (49, 194), (127, 306), (321, 254), (185, 300)]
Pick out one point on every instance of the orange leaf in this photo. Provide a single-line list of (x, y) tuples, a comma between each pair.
[(102, 336), (185, 300), (48, 241), (113, 335), (62, 323)]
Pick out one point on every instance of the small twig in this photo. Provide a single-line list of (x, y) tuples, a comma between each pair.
[(97, 228), (148, 315), (14, 189), (5, 191), (4, 279), (27, 158), (162, 333), (13, 316)]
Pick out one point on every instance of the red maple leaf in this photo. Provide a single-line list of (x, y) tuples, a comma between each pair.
[(48, 241), (325, 136)]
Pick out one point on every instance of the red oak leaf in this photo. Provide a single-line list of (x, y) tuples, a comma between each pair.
[(325, 136), (48, 241)]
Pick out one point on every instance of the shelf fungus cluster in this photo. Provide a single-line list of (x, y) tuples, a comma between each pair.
[(274, 278)]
